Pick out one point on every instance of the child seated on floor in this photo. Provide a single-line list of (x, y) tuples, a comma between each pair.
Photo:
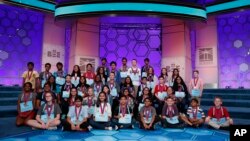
[(147, 115), (77, 117), (102, 113), (195, 115), (123, 114), (218, 116), (48, 115), (170, 115)]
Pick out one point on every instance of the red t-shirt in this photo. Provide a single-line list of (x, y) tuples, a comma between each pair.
[(89, 75), (218, 113), (159, 88)]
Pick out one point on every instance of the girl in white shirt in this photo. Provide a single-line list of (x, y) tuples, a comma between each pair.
[(102, 113)]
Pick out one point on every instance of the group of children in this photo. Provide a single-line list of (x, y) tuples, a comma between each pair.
[(113, 99)]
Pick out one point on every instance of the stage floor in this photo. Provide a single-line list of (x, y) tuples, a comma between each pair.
[(187, 134)]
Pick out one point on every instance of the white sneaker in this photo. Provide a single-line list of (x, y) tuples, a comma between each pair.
[(110, 128), (116, 127), (52, 128), (90, 128)]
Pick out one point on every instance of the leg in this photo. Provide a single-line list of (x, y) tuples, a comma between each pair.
[(66, 125), (30, 117), (198, 122), (54, 123), (214, 124), (34, 123), (164, 123), (84, 126), (185, 119), (136, 90), (96, 125), (19, 121)]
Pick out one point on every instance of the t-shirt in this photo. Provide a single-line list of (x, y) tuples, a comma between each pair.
[(107, 109), (128, 110), (195, 113), (72, 113), (89, 101), (30, 76), (218, 113), (151, 109), (135, 74), (32, 98), (56, 110), (169, 111)]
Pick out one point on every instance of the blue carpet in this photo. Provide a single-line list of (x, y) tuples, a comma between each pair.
[(187, 134)]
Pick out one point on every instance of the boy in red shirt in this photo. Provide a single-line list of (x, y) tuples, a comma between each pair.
[(218, 116)]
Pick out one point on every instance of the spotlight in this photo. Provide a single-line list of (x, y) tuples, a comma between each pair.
[(241, 87), (228, 87)]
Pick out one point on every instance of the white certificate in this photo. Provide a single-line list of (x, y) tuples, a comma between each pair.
[(75, 81), (91, 110), (162, 95), (179, 94), (195, 92), (99, 117), (147, 120), (135, 77), (140, 106), (80, 93), (127, 119), (114, 92), (60, 80), (65, 94), (144, 74), (123, 74), (173, 120), (28, 106), (90, 81), (220, 121), (45, 118), (75, 121), (151, 85)]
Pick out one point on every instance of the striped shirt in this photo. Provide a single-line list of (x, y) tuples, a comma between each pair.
[(194, 113)]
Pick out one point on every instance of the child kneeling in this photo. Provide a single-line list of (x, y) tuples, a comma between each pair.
[(77, 117), (170, 115), (218, 116), (123, 114)]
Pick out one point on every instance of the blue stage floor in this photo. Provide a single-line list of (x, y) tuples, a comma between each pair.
[(187, 134)]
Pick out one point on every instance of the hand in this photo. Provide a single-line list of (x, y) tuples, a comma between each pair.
[(47, 125), (43, 126), (164, 117), (150, 125), (78, 127), (65, 99), (73, 127), (119, 116), (207, 120)]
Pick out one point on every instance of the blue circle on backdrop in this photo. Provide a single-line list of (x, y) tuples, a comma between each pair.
[(2, 13), (231, 20), (33, 18), (23, 17), (17, 23), (227, 29), (11, 31), (222, 22), (26, 41), (27, 25), (12, 15), (6, 22), (16, 40), (242, 19)]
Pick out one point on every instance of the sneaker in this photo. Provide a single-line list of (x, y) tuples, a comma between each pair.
[(116, 127), (110, 128), (90, 128), (52, 128), (132, 126)]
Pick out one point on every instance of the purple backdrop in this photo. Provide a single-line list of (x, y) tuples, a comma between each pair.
[(234, 49), (123, 38), (21, 33)]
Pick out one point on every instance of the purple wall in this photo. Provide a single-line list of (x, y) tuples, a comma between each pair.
[(234, 49), (21, 33), (131, 40)]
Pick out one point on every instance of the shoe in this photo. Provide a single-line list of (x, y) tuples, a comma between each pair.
[(132, 126), (90, 128), (52, 128), (116, 128), (110, 128)]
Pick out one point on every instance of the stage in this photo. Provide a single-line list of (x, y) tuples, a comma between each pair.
[(160, 134)]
